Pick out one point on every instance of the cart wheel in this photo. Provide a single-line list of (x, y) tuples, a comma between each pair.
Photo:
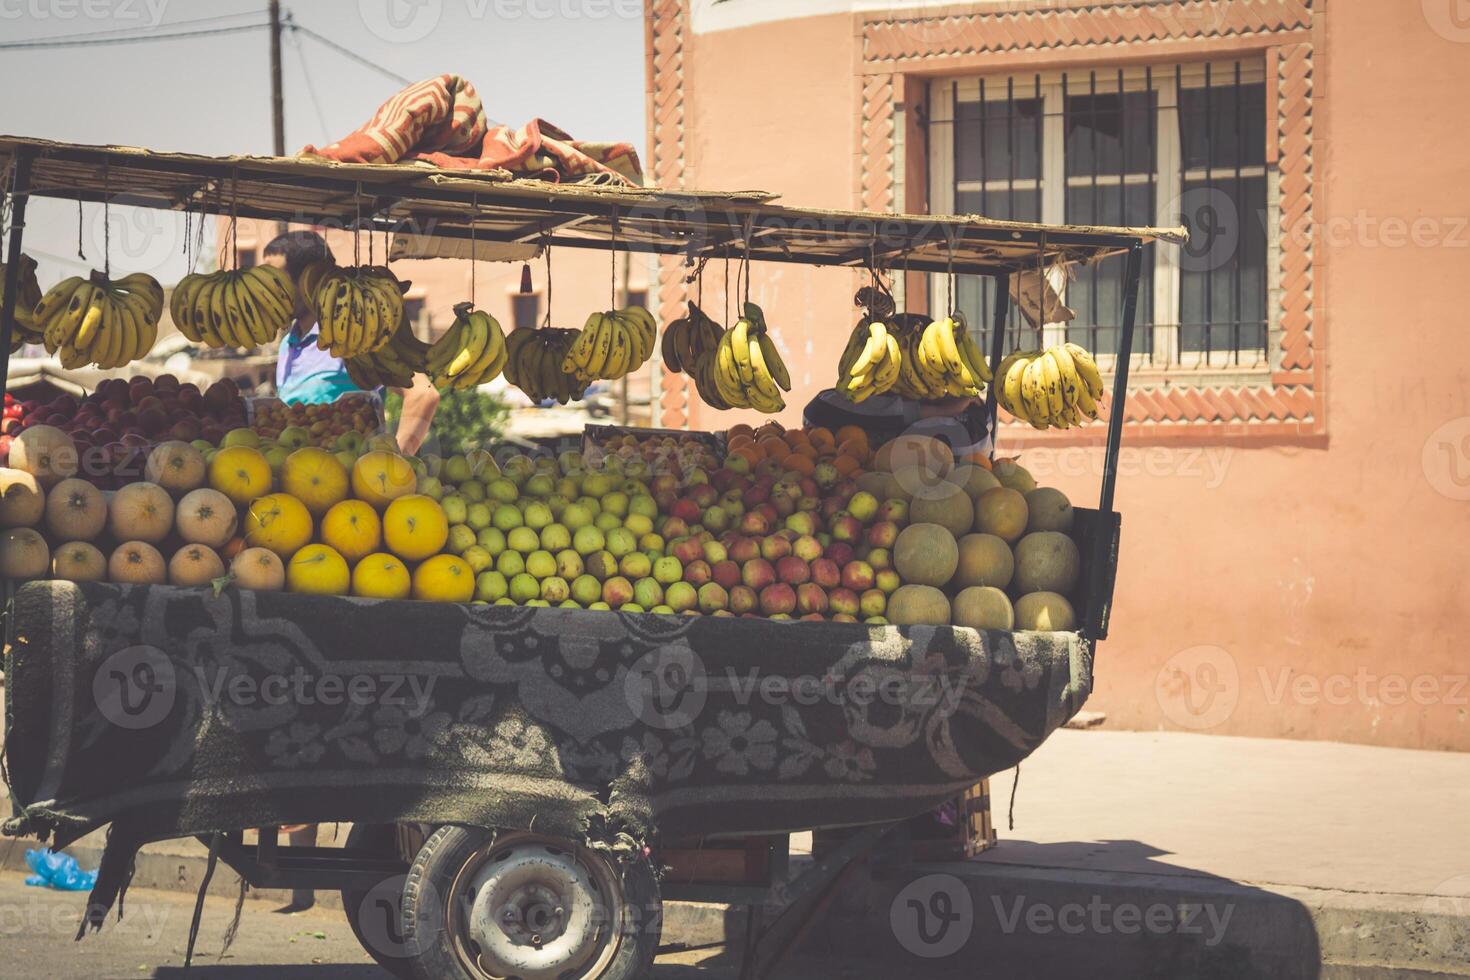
[(376, 914), (479, 906)]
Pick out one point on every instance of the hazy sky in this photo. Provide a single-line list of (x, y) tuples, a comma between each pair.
[(576, 63)]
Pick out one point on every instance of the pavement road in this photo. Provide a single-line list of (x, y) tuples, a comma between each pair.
[(37, 926)]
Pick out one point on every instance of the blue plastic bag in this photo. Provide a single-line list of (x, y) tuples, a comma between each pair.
[(58, 870)]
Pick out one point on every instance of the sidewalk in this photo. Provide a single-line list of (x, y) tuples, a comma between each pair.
[(1262, 858)]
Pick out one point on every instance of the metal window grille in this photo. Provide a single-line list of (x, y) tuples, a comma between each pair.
[(1132, 146)]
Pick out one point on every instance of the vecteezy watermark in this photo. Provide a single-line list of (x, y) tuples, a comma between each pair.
[(1206, 465), (1363, 686), (407, 21), (933, 916), (667, 688), (1214, 224), (1364, 229), (1198, 688), (1450, 19), (380, 918), (126, 13), (135, 687), (1100, 917), (1446, 458), (37, 920)]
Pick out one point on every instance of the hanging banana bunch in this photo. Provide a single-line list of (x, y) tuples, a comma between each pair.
[(611, 345), (949, 362), (871, 363), (687, 338), (26, 331), (98, 321), (472, 352), (745, 369), (1058, 388), (394, 364), (358, 308), (239, 308), (534, 360)]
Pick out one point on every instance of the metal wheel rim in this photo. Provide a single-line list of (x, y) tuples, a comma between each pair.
[(532, 907)]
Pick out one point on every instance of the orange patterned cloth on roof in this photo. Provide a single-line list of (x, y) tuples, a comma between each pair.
[(442, 121)]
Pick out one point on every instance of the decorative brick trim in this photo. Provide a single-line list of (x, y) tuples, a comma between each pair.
[(894, 40), (897, 49), (667, 33)]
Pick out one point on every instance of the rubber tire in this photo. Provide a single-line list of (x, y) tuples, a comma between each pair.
[(439, 861), (382, 839)]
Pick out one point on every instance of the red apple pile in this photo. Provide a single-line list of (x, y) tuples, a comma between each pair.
[(769, 541), (116, 425)]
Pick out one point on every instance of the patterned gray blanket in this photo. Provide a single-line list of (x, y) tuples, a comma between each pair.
[(171, 712)]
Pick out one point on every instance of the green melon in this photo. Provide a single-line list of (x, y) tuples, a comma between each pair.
[(881, 485), (976, 479), (925, 554), (984, 560), (914, 605), (983, 608), (1012, 474), (1044, 611), (944, 504), (1046, 561), (1048, 510), (929, 454), (1001, 512)]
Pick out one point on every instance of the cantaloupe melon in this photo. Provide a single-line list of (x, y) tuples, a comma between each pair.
[(1046, 561), (194, 565), (46, 453), (141, 512), (1012, 474), (260, 569), (925, 554), (75, 510), (984, 560), (945, 504), (883, 486), (22, 501), (909, 482), (929, 454), (975, 479), (1044, 611), (23, 553), (1048, 509), (982, 607), (138, 563), (207, 517), (914, 605), (176, 466), (78, 561), (1001, 512)]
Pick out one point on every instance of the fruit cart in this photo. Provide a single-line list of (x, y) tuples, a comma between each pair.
[(514, 824)]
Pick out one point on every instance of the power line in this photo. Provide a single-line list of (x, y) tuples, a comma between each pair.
[(310, 88), (349, 53), (113, 32), (135, 39)]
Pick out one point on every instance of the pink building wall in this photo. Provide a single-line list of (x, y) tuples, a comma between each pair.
[(1293, 554)]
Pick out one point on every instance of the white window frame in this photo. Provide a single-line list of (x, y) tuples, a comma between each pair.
[(1166, 359)]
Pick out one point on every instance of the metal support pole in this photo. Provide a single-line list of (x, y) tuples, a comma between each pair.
[(997, 352), (1131, 277), (20, 187)]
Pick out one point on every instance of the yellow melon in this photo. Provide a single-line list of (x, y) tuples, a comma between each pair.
[(1044, 611), (1046, 561), (23, 553), (78, 561), (914, 605), (1001, 512), (318, 569), (381, 576), (316, 478), (1012, 474), (984, 560), (444, 578), (240, 473), (380, 477), (280, 522), (22, 501), (353, 528), (414, 527), (983, 607), (1048, 510), (925, 554), (975, 479)]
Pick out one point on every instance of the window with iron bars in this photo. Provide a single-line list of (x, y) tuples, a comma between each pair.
[(1166, 146)]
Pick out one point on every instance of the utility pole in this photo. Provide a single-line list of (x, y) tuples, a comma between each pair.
[(278, 111)]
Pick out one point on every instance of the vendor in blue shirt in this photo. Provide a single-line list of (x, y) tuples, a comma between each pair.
[(306, 374)]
